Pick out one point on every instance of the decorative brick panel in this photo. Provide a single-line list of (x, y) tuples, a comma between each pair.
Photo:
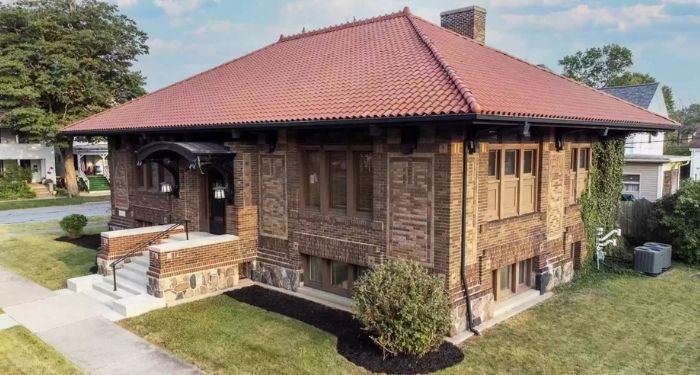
[(273, 195), (410, 218), (336, 249)]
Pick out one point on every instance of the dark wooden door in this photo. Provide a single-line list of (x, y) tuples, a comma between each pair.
[(217, 210)]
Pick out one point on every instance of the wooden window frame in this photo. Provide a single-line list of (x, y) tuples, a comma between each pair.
[(325, 183), (501, 180), (580, 158)]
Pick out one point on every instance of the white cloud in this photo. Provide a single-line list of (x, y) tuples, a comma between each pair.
[(622, 18), (177, 8), (682, 2), (158, 46), (125, 3)]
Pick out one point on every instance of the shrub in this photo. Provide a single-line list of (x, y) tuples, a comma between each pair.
[(13, 183), (73, 225), (680, 217), (404, 309)]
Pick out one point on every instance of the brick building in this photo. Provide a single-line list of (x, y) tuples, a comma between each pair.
[(307, 162)]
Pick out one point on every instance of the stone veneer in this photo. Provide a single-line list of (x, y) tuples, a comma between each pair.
[(194, 285)]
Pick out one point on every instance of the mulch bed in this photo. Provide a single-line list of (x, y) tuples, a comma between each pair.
[(353, 342), (90, 241)]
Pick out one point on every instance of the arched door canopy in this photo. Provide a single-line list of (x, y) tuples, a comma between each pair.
[(198, 155)]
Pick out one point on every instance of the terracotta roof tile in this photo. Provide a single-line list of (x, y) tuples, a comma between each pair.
[(391, 66)]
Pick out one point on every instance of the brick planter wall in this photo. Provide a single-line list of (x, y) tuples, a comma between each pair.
[(115, 244), (188, 269)]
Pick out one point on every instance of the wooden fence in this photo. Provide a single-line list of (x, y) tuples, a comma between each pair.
[(633, 218)]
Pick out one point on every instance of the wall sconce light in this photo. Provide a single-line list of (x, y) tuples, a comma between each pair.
[(166, 188), (219, 192)]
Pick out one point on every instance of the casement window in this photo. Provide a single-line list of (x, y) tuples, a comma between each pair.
[(631, 184), (331, 275), (580, 164), (511, 279), (337, 177), (150, 176), (512, 180)]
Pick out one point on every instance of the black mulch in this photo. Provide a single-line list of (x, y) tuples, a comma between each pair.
[(91, 241), (353, 343)]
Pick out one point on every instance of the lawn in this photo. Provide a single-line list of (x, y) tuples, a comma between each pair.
[(23, 353), (603, 324), (35, 252), (32, 203)]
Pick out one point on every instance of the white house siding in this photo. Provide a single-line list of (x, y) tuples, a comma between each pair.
[(695, 163), (649, 175), (41, 156)]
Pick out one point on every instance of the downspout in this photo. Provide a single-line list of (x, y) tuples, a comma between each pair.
[(463, 241)]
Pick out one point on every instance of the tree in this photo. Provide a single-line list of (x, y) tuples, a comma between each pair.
[(62, 60), (668, 98), (597, 66), (628, 78)]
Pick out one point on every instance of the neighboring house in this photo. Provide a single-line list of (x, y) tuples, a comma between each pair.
[(695, 157), (36, 157), (304, 163), (91, 158), (648, 173)]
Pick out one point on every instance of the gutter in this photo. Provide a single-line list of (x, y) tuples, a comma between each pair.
[(463, 240)]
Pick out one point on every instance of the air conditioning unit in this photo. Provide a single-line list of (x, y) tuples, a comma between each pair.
[(666, 249), (648, 260)]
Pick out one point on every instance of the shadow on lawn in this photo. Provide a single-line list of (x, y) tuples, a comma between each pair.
[(353, 343), (90, 241)]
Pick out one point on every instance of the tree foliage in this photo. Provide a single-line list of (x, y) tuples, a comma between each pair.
[(598, 66), (62, 60), (680, 217)]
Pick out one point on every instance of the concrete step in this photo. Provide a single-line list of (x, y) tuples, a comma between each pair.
[(183, 237), (137, 305), (515, 301), (83, 283), (141, 260), (126, 285), (514, 306), (136, 275), (108, 289)]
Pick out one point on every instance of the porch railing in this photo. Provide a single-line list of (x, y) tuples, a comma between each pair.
[(145, 244)]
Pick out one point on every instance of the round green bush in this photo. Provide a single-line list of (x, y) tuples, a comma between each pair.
[(73, 224), (404, 309)]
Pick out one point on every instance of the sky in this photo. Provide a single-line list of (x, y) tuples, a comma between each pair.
[(189, 36)]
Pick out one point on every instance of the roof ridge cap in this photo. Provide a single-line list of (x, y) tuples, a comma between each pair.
[(466, 94), (600, 92), (344, 25)]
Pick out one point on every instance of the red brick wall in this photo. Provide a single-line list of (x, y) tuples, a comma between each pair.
[(199, 258)]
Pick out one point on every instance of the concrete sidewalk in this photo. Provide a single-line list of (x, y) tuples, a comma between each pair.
[(76, 326)]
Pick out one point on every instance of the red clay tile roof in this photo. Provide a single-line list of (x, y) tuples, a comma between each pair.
[(397, 65)]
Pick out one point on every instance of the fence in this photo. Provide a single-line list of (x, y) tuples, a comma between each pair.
[(633, 218)]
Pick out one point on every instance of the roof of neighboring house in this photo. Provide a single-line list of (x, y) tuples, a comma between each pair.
[(695, 141), (640, 95), (640, 158), (393, 66)]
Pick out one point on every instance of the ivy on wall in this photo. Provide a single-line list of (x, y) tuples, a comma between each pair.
[(600, 202)]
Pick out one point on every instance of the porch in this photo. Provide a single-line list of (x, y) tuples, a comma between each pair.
[(143, 269)]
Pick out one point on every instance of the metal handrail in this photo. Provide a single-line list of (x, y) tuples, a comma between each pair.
[(144, 244)]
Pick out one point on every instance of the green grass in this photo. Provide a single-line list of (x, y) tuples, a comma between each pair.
[(33, 203), (31, 250), (23, 353), (604, 324)]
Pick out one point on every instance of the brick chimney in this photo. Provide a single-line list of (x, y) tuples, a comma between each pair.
[(469, 21)]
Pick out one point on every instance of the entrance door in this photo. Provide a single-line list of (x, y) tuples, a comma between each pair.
[(217, 207)]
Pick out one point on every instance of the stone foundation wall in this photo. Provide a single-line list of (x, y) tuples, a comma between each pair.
[(276, 275), (554, 276), (482, 310), (194, 284)]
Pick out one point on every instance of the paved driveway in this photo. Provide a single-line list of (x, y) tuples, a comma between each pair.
[(53, 213)]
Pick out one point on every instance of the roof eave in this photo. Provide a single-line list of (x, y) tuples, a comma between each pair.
[(389, 121)]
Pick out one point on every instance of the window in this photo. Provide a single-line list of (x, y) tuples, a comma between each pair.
[(512, 182), (505, 278), (340, 275), (493, 164), (312, 179), (363, 181), (315, 265), (524, 272), (578, 172), (338, 174), (630, 184), (150, 175), (337, 177)]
